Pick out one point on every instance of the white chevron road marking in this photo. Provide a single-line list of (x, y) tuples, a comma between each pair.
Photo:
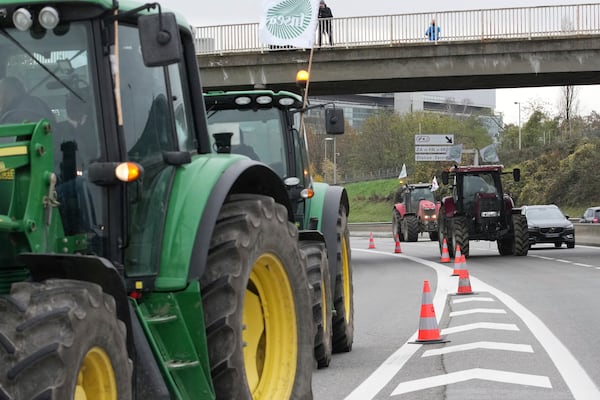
[(480, 325), (472, 299), (477, 311), (523, 348), (475, 373)]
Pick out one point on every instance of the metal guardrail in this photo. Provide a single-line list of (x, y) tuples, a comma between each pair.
[(393, 30), (585, 234)]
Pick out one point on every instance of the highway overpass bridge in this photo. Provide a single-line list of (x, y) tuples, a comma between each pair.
[(499, 48)]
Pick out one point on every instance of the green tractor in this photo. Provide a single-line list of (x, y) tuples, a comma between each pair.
[(267, 126), (135, 262)]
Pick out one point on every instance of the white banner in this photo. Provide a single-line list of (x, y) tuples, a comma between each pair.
[(454, 153), (488, 154), (289, 23)]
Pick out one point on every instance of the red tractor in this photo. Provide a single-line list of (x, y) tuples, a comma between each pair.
[(478, 209), (415, 212)]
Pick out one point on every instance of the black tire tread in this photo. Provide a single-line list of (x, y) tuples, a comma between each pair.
[(461, 234), (343, 321), (317, 269), (50, 326), (412, 228), (521, 235), (248, 226)]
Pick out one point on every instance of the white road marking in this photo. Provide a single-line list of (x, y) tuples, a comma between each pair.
[(469, 299), (564, 261), (523, 348), (542, 257), (475, 373), (477, 311), (480, 325), (576, 378)]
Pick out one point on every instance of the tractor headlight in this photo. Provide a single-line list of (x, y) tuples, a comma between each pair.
[(48, 18), (22, 19), (489, 214)]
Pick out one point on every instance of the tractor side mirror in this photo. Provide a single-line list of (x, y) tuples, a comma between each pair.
[(517, 174), (223, 142), (159, 39), (445, 177), (334, 121)]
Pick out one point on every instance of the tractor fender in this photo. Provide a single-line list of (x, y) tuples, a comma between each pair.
[(448, 203), (198, 193), (335, 197), (401, 208), (509, 204)]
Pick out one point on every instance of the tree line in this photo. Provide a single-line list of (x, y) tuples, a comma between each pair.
[(557, 157)]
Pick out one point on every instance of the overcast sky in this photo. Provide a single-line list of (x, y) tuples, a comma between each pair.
[(221, 12)]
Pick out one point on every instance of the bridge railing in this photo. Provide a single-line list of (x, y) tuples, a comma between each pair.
[(398, 29)]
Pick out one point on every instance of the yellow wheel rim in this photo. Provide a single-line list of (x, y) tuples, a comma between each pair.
[(96, 378), (270, 337), (346, 278)]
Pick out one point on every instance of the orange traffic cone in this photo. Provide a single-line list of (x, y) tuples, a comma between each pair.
[(464, 283), (445, 254), (428, 327), (397, 249), (459, 261), (371, 241)]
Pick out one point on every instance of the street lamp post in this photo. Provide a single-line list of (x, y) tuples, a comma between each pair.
[(519, 104)]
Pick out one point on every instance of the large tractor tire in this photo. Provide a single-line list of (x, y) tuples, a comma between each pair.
[(61, 339), (444, 232), (460, 235), (410, 227), (343, 297), (257, 304), (506, 246), (397, 226), (521, 235), (317, 269), (433, 235)]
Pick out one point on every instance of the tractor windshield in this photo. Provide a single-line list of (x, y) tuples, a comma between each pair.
[(419, 194), (479, 184), (49, 75), (257, 134)]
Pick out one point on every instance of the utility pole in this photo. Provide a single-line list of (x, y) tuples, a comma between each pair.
[(519, 104)]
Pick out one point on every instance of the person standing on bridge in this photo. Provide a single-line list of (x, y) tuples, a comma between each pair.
[(433, 32), (325, 16)]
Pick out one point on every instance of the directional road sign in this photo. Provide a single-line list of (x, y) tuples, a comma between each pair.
[(437, 140), (431, 149), (431, 157)]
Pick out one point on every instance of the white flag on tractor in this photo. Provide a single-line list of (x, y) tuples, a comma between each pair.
[(434, 184), (289, 23), (403, 172)]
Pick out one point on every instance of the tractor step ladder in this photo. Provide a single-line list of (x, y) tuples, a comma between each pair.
[(164, 321)]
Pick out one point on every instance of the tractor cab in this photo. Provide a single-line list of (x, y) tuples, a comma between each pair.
[(59, 71), (481, 191), (266, 126)]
